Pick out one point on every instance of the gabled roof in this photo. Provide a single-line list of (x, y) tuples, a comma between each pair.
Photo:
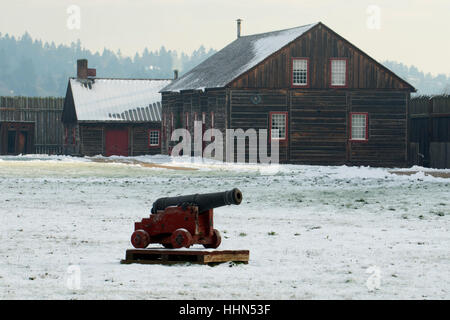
[(245, 53), (117, 99), (235, 59)]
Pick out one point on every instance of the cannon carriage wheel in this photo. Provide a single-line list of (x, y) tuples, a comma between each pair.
[(181, 238), (216, 240), (140, 239)]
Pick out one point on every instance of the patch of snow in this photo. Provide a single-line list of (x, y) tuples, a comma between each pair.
[(312, 231), (114, 96)]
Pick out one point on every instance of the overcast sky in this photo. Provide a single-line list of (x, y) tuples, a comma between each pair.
[(409, 31)]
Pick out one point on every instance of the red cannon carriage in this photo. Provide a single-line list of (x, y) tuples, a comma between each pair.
[(178, 222)]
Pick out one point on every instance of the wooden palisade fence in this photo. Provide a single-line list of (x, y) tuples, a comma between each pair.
[(430, 131), (44, 114)]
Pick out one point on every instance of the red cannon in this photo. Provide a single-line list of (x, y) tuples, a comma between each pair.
[(178, 222)]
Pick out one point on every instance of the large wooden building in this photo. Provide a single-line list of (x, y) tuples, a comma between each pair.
[(112, 116), (331, 102)]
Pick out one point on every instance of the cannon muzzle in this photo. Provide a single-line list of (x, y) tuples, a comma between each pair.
[(204, 201)]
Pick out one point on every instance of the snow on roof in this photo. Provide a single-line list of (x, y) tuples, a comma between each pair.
[(117, 99), (235, 59)]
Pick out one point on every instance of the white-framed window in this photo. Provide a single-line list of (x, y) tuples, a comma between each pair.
[(203, 117), (212, 119), (359, 126), (300, 71), (153, 138), (278, 125), (338, 72)]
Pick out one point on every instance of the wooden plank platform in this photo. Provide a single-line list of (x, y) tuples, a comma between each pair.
[(173, 256)]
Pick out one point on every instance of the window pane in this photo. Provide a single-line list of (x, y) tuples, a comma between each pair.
[(338, 72), (300, 72), (359, 126), (154, 138), (278, 130)]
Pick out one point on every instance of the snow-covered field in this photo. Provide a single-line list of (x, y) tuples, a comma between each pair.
[(313, 232)]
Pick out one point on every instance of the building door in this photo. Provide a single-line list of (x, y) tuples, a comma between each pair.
[(11, 142), (16, 138), (116, 142), (22, 137)]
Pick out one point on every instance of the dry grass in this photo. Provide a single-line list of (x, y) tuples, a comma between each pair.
[(143, 164)]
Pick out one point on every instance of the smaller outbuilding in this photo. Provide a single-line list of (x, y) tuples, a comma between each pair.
[(108, 117)]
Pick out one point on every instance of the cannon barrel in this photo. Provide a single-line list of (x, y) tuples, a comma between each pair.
[(204, 201)]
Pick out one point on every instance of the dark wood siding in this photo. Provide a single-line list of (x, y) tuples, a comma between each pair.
[(191, 102), (430, 131), (320, 45), (169, 105), (45, 113), (140, 139), (16, 137), (318, 122), (92, 138), (387, 128), (318, 127), (250, 109)]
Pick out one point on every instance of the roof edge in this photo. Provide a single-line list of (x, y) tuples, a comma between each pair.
[(124, 121), (412, 88), (67, 104), (313, 26), (137, 79), (282, 30)]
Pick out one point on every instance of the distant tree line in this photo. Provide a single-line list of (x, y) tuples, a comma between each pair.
[(426, 84), (33, 68)]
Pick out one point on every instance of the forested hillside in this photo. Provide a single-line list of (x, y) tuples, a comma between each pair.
[(426, 84), (30, 67)]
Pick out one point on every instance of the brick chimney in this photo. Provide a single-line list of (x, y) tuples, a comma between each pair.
[(239, 27), (83, 72), (82, 69)]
